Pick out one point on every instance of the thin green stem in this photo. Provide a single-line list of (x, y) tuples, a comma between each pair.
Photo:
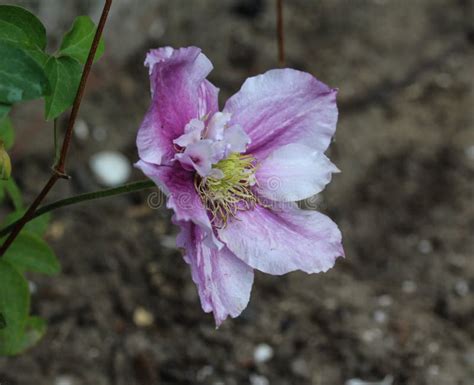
[(124, 189)]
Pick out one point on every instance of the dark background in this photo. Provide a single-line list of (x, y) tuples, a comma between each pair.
[(400, 304)]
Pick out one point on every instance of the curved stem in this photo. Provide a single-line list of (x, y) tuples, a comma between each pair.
[(124, 189)]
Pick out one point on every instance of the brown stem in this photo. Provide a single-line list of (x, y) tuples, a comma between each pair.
[(59, 168), (280, 33)]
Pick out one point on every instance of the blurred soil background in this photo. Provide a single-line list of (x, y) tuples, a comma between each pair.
[(125, 310)]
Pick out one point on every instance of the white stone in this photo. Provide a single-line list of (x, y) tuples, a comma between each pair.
[(380, 316), (357, 381), (64, 380), (470, 152), (425, 246), (111, 168), (256, 379), (385, 300), (262, 353), (462, 288), (81, 130), (409, 287)]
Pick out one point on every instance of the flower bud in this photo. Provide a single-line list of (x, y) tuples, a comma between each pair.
[(5, 163)]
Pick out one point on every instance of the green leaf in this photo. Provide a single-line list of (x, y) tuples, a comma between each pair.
[(31, 253), (77, 42), (21, 78), (4, 110), (36, 226), (13, 34), (64, 76), (35, 328), (14, 308), (6, 132), (22, 27)]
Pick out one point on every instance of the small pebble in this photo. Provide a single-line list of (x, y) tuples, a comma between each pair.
[(371, 335), (300, 367), (433, 347), (409, 287), (262, 353), (111, 168), (470, 152), (433, 370), (64, 380), (204, 373), (256, 379), (142, 317), (81, 130), (33, 287), (168, 241), (380, 316), (356, 381), (461, 288), (385, 300), (425, 246)]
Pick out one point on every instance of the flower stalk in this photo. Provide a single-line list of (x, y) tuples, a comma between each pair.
[(94, 195)]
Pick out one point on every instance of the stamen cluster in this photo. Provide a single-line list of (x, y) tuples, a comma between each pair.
[(231, 190)]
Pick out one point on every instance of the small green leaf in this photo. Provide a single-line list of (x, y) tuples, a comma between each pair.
[(20, 26), (4, 110), (77, 42), (64, 75), (14, 307), (30, 253), (35, 328), (7, 134), (21, 78), (36, 226)]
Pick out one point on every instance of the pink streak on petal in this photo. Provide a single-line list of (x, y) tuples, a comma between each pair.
[(283, 240), (284, 106), (224, 282)]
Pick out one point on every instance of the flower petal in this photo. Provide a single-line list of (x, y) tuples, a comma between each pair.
[(236, 139), (180, 93), (224, 282), (192, 133), (283, 240), (199, 156), (294, 172), (178, 185), (284, 106)]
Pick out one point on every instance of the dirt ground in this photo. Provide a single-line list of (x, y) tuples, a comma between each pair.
[(125, 311)]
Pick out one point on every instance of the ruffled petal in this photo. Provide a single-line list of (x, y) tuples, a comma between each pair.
[(199, 156), (178, 185), (283, 240), (180, 93), (294, 172), (284, 106), (224, 282), (192, 133)]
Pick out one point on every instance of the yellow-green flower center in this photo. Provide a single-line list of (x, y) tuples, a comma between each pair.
[(230, 190)]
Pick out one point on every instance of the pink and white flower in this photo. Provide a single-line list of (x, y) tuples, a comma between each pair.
[(232, 177)]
